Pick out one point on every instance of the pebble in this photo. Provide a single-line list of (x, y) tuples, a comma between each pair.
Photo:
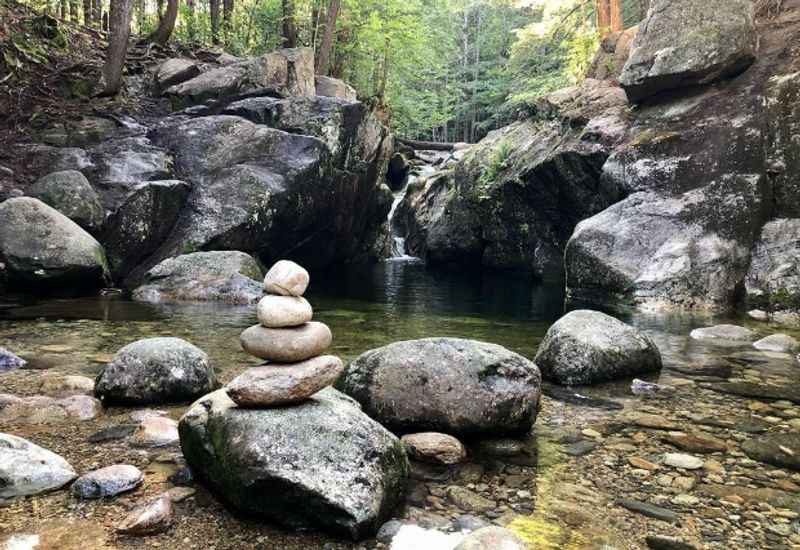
[(642, 464), (649, 510), (435, 448), (687, 462)]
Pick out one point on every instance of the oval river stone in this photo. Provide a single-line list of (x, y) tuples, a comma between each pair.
[(283, 311), (287, 345)]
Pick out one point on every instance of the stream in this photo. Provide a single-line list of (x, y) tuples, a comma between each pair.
[(399, 300)]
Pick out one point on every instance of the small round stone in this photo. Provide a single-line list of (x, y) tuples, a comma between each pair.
[(283, 311), (287, 345), (286, 278), (436, 448), (108, 482)]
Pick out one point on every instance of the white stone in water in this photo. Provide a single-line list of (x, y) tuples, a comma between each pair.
[(27, 469), (283, 311), (781, 343), (731, 333), (155, 431), (286, 278), (287, 345), (678, 460)]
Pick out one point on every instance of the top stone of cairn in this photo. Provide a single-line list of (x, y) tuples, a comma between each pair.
[(286, 278)]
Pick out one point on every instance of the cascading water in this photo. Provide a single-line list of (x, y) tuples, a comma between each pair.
[(398, 252)]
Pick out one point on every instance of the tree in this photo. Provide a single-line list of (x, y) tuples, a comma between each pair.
[(289, 27), (609, 16), (120, 30), (213, 8), (227, 18), (87, 12), (326, 46), (166, 25)]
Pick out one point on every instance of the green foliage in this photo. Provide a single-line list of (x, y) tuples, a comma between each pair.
[(498, 161)]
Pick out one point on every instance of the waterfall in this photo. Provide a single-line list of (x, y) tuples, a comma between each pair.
[(398, 252)]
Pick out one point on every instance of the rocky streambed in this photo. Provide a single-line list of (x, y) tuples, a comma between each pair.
[(705, 457)]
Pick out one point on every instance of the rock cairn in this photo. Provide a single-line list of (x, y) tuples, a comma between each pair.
[(290, 342)]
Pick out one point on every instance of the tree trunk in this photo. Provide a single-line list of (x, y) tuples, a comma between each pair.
[(289, 27), (617, 22), (166, 25), (603, 17), (87, 13), (324, 57), (140, 14), (97, 13), (227, 18), (384, 79), (213, 6), (120, 30)]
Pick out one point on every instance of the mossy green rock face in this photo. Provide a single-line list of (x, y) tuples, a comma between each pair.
[(587, 347), (40, 245), (717, 38), (448, 385), (322, 464), (70, 193)]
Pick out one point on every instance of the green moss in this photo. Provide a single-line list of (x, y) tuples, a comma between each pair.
[(653, 137)]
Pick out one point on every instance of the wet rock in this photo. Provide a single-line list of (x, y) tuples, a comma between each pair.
[(283, 311), (687, 462), (156, 431), (652, 421), (179, 494), (434, 447), (467, 522), (175, 71), (141, 222), (107, 482), (782, 450), (758, 391), (184, 476), (283, 384), (68, 385), (388, 531), (156, 370), (27, 469), (287, 345), (419, 386), (587, 347), (220, 276), (32, 254), (40, 409), (781, 343), (286, 278), (492, 538), (772, 280), (661, 542), (469, 501), (649, 510), (640, 387), (345, 471), (9, 361), (113, 433), (731, 333), (70, 193), (696, 443), (580, 448), (660, 61), (568, 396), (150, 518), (501, 448), (333, 87), (121, 164)]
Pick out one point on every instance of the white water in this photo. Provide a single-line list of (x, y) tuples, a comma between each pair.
[(398, 252)]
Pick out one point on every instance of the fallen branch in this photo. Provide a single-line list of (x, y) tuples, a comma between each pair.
[(426, 145)]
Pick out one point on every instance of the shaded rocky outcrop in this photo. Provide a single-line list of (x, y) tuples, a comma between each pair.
[(27, 469), (333, 87), (156, 370), (41, 246), (221, 276), (334, 468), (419, 385), (717, 39), (514, 199), (587, 347), (614, 51), (70, 193), (175, 71), (773, 279)]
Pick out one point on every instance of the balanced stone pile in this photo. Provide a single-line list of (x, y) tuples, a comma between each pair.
[(291, 343)]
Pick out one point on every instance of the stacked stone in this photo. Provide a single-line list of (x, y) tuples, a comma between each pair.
[(290, 342)]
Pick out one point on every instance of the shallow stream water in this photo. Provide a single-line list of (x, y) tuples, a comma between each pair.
[(371, 307)]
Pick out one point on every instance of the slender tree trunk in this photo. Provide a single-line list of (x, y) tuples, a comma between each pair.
[(97, 13), (214, 7), (476, 77), (316, 13), (324, 58), (120, 30), (160, 8), (465, 66), (603, 17), (227, 18), (166, 25), (87, 13), (384, 79), (617, 22), (289, 27), (140, 13)]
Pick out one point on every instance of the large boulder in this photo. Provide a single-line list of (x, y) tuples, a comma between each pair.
[(782, 104), (587, 347), (516, 196), (27, 469), (230, 277), (717, 39), (773, 279), (419, 385), (175, 71), (287, 72), (323, 463), (39, 245), (142, 222), (70, 193), (156, 370), (333, 87)]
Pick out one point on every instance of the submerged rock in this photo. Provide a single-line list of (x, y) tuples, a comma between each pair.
[(108, 482), (282, 384), (587, 347), (9, 361), (220, 276), (781, 450), (40, 409), (731, 333), (70, 193), (27, 469), (435, 448), (780, 343), (156, 370), (40, 245), (420, 385), (718, 40), (323, 462), (64, 386), (287, 345)]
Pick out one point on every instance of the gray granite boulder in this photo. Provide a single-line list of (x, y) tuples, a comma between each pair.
[(70, 193), (420, 385), (587, 347), (156, 370), (323, 463)]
